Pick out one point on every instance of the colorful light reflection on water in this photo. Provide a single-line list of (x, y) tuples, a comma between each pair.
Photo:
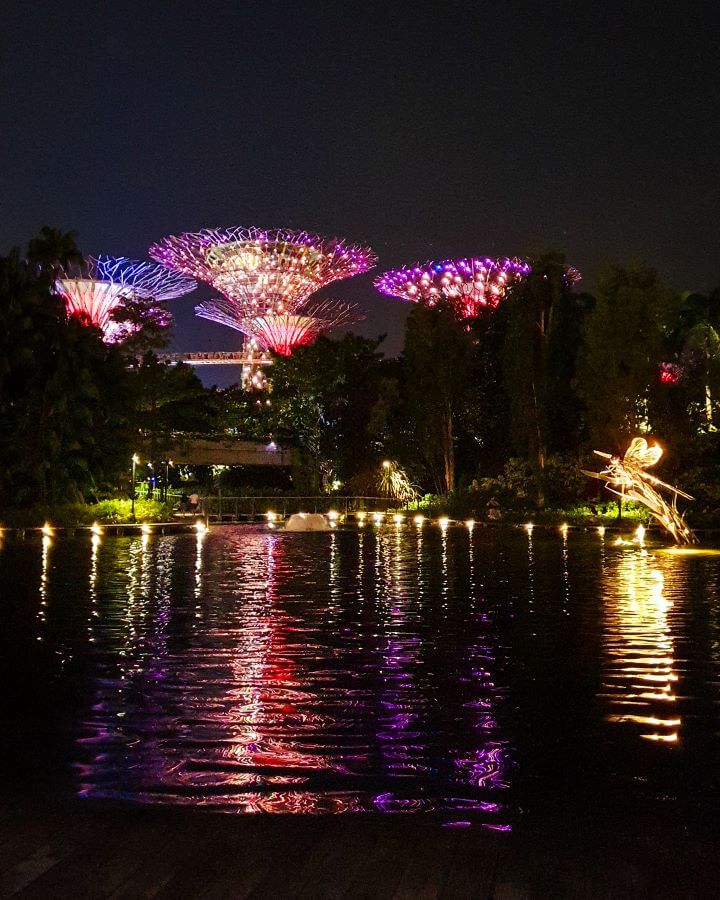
[(468, 673)]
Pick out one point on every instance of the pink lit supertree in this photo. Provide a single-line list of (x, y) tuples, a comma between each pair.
[(471, 285), (94, 291), (281, 333), (267, 278)]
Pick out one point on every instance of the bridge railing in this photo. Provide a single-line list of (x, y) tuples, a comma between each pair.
[(237, 509)]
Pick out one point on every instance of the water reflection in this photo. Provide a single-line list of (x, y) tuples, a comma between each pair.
[(400, 668), (640, 676), (42, 612), (287, 698), (93, 613)]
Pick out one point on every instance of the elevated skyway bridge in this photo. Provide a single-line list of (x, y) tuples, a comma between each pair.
[(216, 358)]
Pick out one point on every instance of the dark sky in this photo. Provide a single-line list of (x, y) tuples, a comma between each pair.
[(425, 130)]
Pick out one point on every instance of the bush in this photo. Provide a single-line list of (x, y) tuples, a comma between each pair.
[(120, 511), (63, 516), (70, 515), (521, 484), (702, 484)]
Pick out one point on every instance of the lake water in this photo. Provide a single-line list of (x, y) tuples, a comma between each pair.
[(480, 677)]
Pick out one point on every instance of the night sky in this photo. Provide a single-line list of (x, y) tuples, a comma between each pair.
[(425, 130)]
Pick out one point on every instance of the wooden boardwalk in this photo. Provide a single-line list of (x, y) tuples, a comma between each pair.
[(97, 852)]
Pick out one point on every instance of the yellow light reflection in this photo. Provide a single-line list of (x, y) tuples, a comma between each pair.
[(44, 580), (686, 551), (640, 669), (199, 543), (96, 541)]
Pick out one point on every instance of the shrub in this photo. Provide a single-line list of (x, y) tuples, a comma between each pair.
[(69, 515)]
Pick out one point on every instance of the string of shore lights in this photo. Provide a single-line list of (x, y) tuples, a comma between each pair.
[(362, 518)]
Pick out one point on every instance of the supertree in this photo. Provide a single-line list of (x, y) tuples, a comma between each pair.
[(281, 333), (101, 285), (267, 278), (470, 285)]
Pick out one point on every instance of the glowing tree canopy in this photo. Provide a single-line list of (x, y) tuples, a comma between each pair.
[(267, 278), (281, 333), (470, 285), (93, 291)]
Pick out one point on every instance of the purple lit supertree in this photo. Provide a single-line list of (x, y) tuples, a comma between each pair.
[(267, 278), (94, 291), (470, 285)]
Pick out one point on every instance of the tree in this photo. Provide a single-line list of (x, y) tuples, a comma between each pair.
[(54, 250), (698, 340), (146, 325), (436, 373), (167, 400), (323, 399), (623, 339), (57, 380), (538, 360)]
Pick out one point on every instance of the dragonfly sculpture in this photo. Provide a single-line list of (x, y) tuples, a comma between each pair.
[(627, 478)]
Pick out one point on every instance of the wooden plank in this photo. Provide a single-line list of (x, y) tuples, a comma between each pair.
[(428, 866), (290, 849), (186, 842), (337, 859), (241, 852), (96, 870), (41, 842), (242, 864), (473, 869), (535, 867), (381, 872)]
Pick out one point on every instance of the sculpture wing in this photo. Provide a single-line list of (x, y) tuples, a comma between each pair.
[(639, 454)]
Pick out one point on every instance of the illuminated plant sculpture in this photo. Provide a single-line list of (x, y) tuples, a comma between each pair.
[(94, 291), (471, 285), (267, 278), (627, 478), (394, 482)]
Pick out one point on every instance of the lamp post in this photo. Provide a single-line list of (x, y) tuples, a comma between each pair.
[(135, 461), (168, 463)]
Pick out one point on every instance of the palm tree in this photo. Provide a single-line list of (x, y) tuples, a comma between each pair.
[(55, 250)]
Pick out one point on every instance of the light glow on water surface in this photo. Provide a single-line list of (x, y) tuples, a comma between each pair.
[(453, 671), (642, 674)]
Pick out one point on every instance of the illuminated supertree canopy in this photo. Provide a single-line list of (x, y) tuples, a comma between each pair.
[(282, 333), (267, 278), (470, 284), (93, 291)]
